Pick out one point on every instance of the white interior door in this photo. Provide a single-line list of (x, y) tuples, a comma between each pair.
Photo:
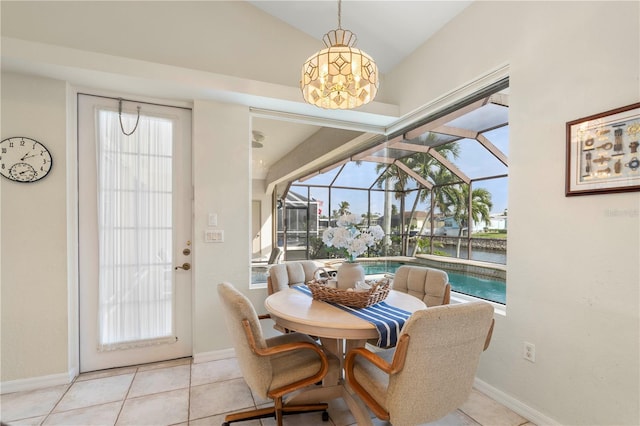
[(135, 210)]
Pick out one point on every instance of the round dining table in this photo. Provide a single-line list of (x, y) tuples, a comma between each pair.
[(298, 311), (339, 331)]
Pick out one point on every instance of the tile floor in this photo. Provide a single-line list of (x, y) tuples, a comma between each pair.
[(182, 393)]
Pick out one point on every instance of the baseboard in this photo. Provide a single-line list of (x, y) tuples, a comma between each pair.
[(39, 382), (213, 355), (514, 405)]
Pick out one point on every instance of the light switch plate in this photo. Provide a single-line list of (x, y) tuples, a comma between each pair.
[(214, 236), (213, 219)]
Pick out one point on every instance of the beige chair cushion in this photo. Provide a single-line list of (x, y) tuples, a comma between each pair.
[(287, 274), (263, 374), (427, 284), (374, 380), (442, 358), (291, 367)]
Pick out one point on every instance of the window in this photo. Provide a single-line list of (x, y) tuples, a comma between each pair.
[(438, 189)]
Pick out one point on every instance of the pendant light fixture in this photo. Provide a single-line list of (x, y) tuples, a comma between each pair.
[(340, 76)]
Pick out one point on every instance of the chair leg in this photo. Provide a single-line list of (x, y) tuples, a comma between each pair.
[(243, 416), (276, 412), (278, 408), (309, 408)]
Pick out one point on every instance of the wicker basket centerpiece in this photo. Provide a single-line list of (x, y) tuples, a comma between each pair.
[(350, 297)]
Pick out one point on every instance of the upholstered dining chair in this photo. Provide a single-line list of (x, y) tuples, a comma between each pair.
[(276, 366), (287, 274), (275, 256), (427, 284), (431, 370)]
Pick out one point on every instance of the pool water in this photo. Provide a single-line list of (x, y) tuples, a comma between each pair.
[(466, 284)]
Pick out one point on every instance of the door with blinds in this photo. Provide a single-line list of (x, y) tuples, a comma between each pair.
[(135, 209)]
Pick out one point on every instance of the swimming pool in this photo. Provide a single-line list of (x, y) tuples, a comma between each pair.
[(489, 289)]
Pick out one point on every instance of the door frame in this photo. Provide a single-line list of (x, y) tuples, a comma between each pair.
[(256, 216), (73, 253)]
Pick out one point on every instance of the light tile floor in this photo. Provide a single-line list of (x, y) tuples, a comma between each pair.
[(182, 393)]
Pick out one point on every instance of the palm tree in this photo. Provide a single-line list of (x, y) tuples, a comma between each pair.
[(481, 205), (393, 181), (451, 197), (446, 197), (424, 165), (438, 175), (343, 208)]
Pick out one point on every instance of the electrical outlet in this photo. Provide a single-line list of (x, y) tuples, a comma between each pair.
[(529, 352), (214, 236)]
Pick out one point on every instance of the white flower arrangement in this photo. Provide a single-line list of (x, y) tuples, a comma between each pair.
[(348, 236)]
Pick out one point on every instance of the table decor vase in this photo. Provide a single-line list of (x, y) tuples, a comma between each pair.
[(349, 273), (354, 240)]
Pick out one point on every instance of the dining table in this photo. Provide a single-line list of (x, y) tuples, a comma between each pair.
[(338, 331)]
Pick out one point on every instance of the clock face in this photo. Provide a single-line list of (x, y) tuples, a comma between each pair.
[(24, 159)]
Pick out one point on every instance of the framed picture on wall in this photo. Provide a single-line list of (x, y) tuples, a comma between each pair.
[(603, 152)]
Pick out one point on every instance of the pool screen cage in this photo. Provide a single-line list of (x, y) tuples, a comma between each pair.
[(438, 187)]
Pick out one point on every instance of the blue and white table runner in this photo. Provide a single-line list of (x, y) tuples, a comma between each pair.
[(387, 318)]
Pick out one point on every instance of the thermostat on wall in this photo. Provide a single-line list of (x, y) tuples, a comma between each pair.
[(213, 236)]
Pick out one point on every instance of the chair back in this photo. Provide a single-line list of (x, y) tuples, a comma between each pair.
[(427, 284), (257, 371), (444, 350), (275, 256), (287, 274)]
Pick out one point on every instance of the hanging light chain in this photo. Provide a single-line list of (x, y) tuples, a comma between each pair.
[(340, 76), (120, 118)]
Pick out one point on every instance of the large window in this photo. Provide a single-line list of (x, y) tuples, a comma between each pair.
[(437, 188)]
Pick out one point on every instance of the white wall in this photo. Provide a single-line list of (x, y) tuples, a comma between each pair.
[(573, 271), (34, 227), (222, 185)]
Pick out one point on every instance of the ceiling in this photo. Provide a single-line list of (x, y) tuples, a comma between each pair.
[(388, 32)]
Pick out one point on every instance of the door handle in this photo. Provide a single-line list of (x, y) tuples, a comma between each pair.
[(186, 266)]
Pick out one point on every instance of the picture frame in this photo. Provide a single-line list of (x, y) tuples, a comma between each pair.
[(603, 152)]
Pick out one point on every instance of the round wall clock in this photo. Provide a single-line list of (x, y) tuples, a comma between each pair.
[(24, 159)]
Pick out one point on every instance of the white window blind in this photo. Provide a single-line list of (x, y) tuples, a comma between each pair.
[(136, 303)]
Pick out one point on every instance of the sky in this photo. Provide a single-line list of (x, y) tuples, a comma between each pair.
[(474, 160)]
